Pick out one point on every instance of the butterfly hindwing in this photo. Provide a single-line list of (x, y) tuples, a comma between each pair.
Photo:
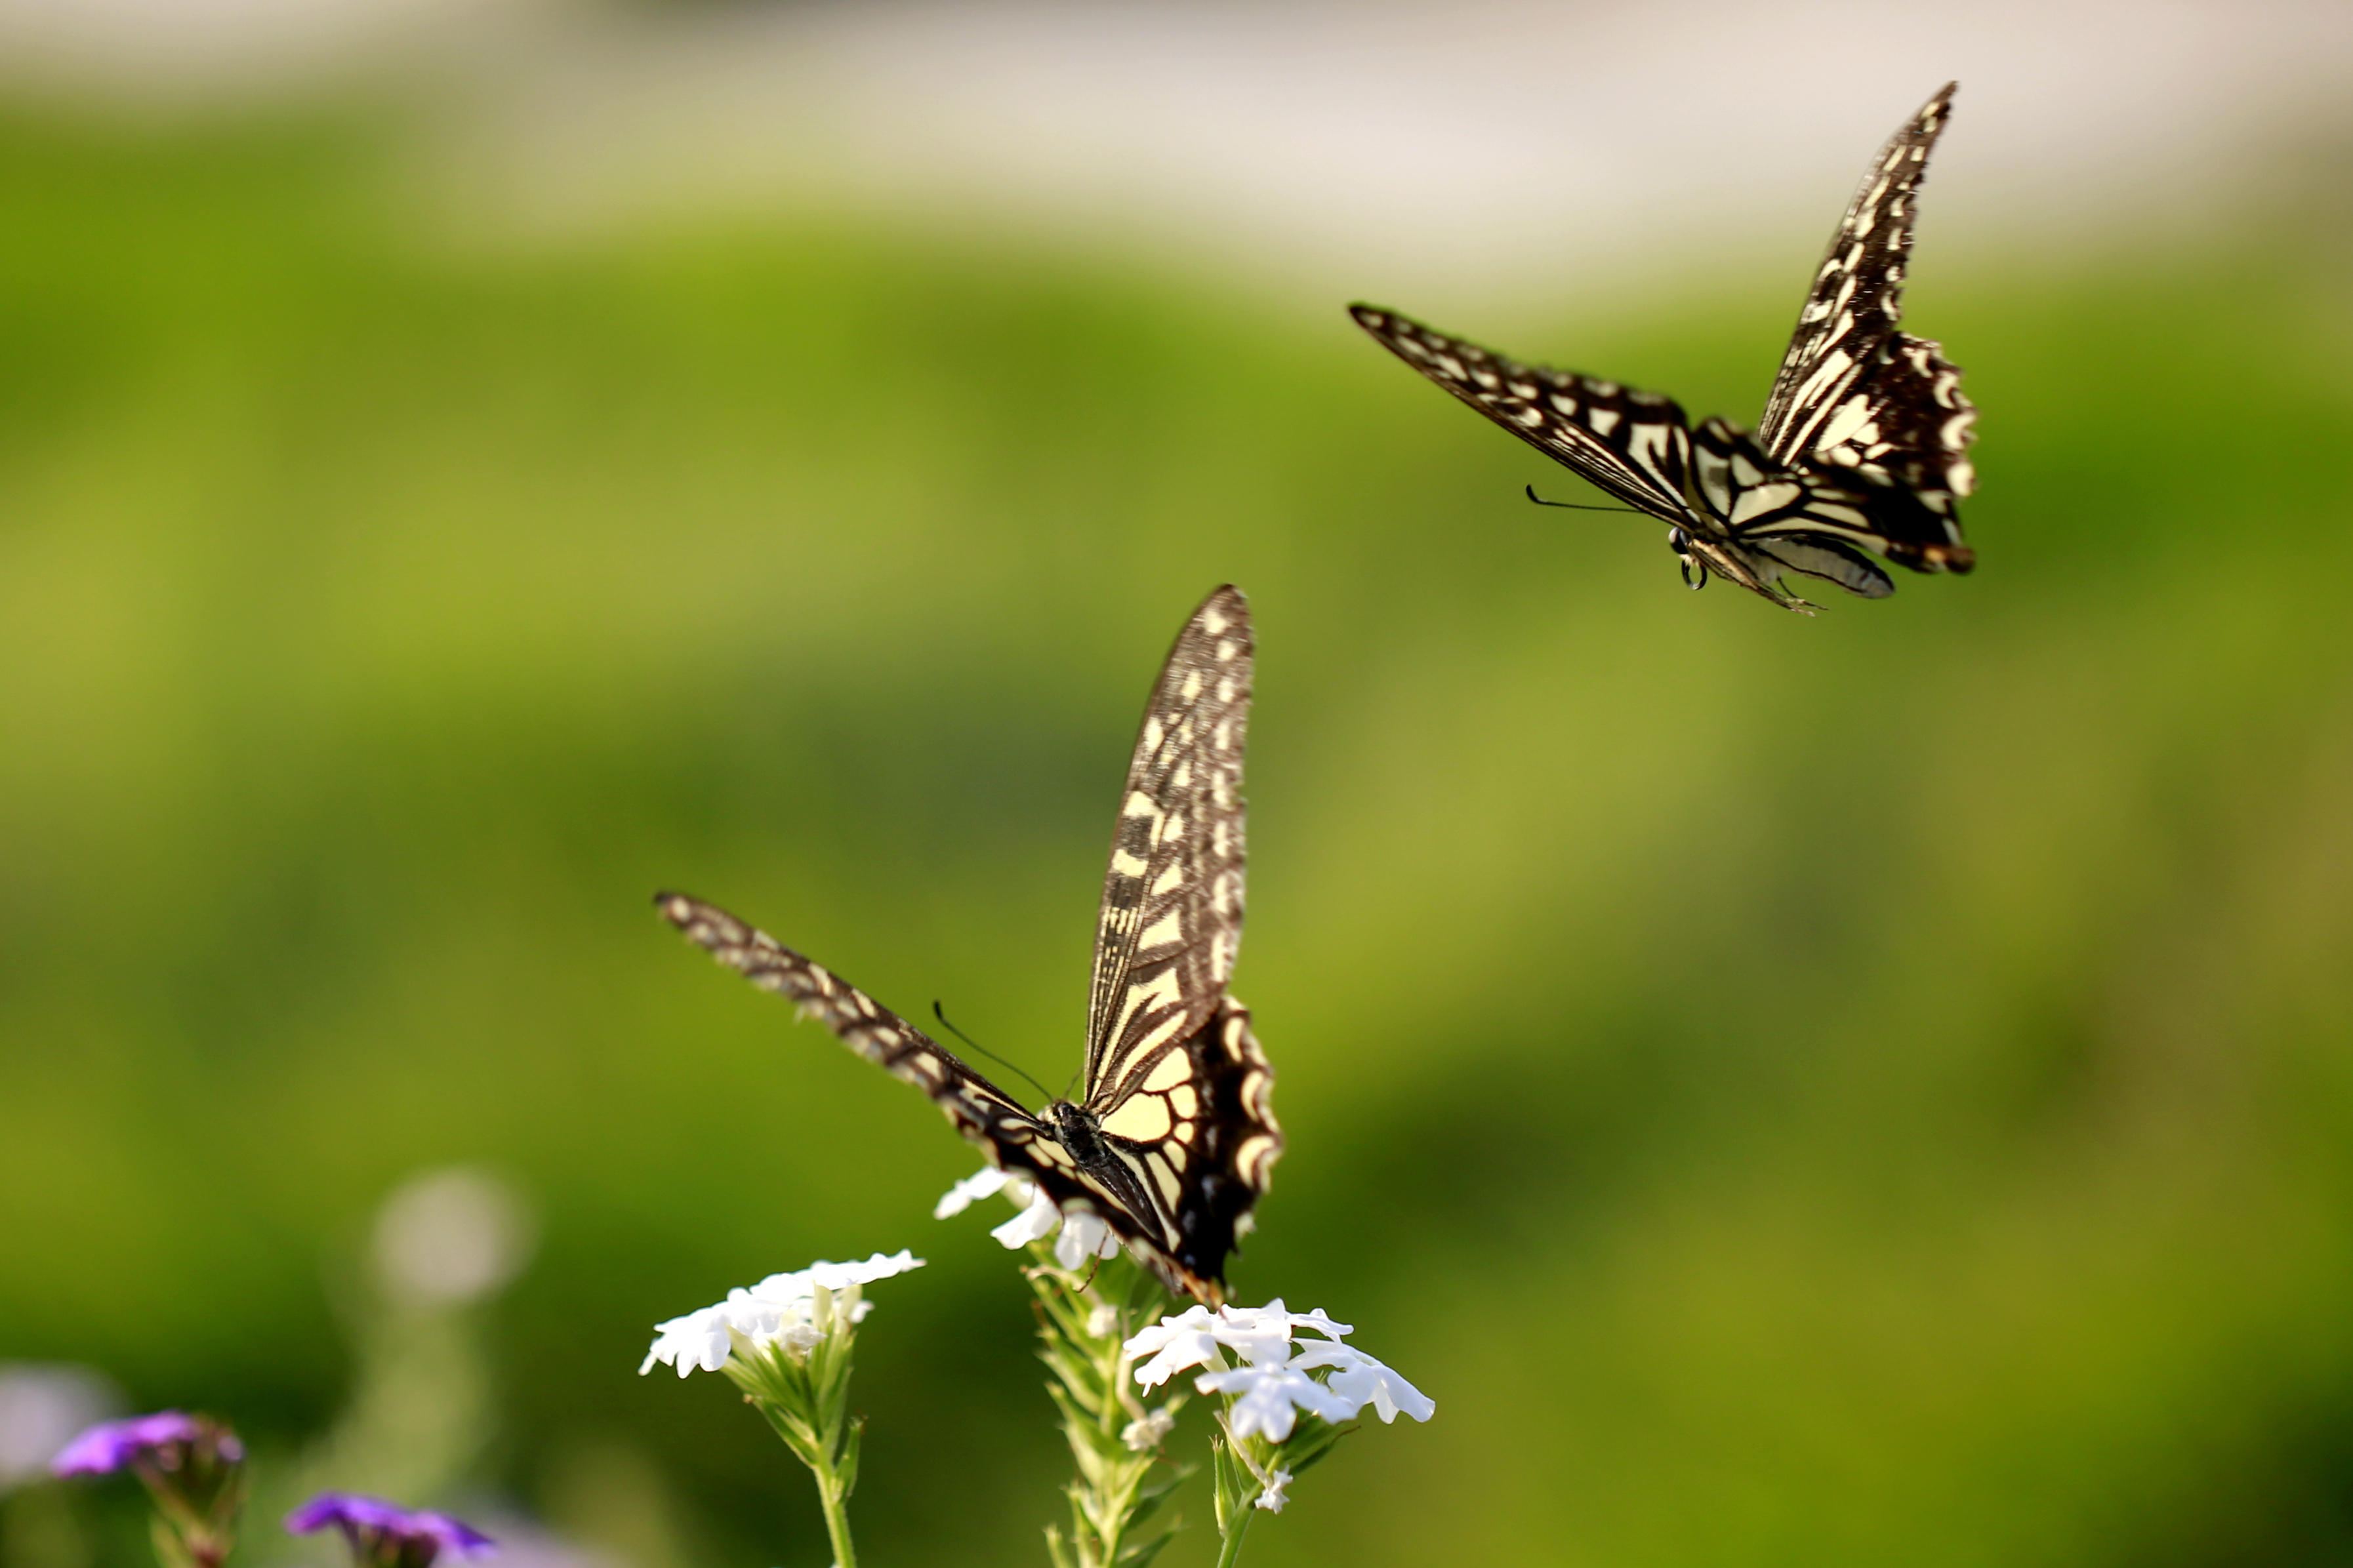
[(1197, 1134), (1634, 445), (1796, 520), (1861, 401)]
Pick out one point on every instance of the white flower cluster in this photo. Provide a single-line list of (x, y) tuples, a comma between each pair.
[(1272, 1385), (789, 1308), (1083, 1235)]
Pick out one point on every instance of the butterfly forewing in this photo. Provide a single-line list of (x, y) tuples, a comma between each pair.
[(980, 1111), (1860, 400), (1172, 903), (1634, 445), (984, 1113), (1177, 1089)]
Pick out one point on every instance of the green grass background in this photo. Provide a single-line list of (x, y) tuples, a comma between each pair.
[(1874, 1089)]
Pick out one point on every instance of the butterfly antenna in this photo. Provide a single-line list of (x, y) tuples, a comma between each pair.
[(1572, 506), (941, 1014)]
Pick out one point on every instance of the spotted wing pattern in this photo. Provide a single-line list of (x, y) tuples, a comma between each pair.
[(1861, 449), (1796, 520), (1172, 900), (1634, 445), (1187, 1149), (1178, 1191), (1859, 399), (1176, 1137), (980, 1111), (1176, 1084)]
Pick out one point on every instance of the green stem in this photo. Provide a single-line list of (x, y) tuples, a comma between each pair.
[(834, 1498), (804, 1400), (1082, 1322), (1231, 1550)]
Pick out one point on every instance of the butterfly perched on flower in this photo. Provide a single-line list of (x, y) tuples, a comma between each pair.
[(1860, 450), (1172, 1138)]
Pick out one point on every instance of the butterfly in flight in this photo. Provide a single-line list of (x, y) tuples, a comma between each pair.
[(1171, 1140), (1860, 445)]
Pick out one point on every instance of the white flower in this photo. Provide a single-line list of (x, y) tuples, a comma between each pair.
[(984, 1183), (1084, 1236), (791, 1309), (1257, 1334), (1034, 1223), (1083, 1233), (1174, 1344), (1101, 1319), (1275, 1311), (842, 1276), (1141, 1436), (1361, 1381), (697, 1340), (1271, 1496), (1270, 1398)]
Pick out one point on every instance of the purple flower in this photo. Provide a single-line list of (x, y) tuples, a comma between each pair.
[(162, 1440), (192, 1466), (385, 1534)]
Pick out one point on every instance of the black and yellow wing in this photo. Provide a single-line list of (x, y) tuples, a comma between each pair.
[(1863, 405), (978, 1109), (1172, 903), (1861, 449), (1175, 1085), (1173, 1138), (1634, 445)]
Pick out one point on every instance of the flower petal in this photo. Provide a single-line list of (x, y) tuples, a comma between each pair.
[(1172, 1345), (1195, 1319), (1361, 1381), (840, 1276), (1271, 1397), (1320, 1321), (368, 1522), (110, 1444), (697, 1340), (1260, 1335), (982, 1183), (780, 1307), (778, 1289), (1143, 1435), (1084, 1236), (1033, 1224), (1191, 1348)]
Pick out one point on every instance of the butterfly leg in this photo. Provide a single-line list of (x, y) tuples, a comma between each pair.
[(1702, 556), (1695, 570)]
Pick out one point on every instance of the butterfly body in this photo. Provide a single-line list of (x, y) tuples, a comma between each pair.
[(1860, 450), (1172, 1142)]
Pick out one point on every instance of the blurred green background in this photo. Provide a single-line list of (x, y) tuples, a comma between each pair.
[(1863, 1090)]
